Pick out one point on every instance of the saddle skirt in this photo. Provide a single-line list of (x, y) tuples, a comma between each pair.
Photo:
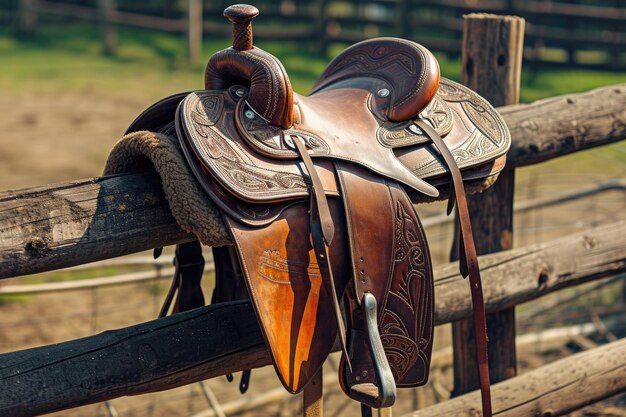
[(314, 188)]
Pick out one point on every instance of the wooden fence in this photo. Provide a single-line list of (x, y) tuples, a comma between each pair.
[(558, 33), (214, 340), (85, 221)]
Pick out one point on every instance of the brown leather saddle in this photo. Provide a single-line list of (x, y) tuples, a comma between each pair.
[(314, 192)]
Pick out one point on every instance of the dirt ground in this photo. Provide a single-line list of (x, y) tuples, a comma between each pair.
[(68, 136), (51, 137)]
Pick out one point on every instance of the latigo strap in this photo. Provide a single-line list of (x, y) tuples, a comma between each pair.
[(468, 263)]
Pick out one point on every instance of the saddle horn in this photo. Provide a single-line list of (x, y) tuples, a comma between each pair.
[(241, 16), (270, 93)]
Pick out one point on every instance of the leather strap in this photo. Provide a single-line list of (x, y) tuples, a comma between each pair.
[(322, 232), (229, 286), (313, 396), (189, 266), (229, 280), (468, 262), (326, 221)]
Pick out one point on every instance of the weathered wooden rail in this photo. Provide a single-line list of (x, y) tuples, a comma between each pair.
[(218, 339), (66, 224), (573, 382)]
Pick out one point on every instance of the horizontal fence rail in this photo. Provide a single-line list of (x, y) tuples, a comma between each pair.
[(84, 284), (552, 390), (440, 358), (160, 264), (95, 231), (224, 338), (543, 202)]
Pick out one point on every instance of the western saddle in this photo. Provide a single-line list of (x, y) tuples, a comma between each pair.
[(315, 193)]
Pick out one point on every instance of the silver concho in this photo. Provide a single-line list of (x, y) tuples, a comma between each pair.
[(274, 141)]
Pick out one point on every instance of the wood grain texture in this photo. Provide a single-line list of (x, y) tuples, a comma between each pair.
[(565, 124), (72, 223), (491, 65), (552, 390), (491, 56), (214, 340), (519, 275), (65, 224), (161, 354)]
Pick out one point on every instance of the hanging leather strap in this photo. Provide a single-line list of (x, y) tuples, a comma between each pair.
[(189, 266), (229, 286), (322, 231), (468, 262), (313, 396)]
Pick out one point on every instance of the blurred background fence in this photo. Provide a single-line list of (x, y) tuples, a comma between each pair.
[(563, 33)]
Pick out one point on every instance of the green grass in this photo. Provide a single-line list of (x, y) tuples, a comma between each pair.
[(60, 276), (152, 64), (147, 63), (67, 275), (14, 298), (553, 82), (159, 288)]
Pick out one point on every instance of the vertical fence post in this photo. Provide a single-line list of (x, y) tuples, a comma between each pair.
[(492, 61), (319, 28), (28, 16), (107, 28), (403, 18), (194, 31)]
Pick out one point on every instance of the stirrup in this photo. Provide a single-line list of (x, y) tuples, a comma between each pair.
[(382, 394)]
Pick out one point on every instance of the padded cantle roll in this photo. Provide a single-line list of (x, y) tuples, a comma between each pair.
[(411, 71), (270, 94)]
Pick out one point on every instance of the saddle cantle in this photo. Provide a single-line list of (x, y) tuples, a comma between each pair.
[(314, 192)]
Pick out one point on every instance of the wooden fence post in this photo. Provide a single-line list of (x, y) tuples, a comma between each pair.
[(491, 60), (194, 31), (403, 18), (107, 28), (319, 27), (28, 16)]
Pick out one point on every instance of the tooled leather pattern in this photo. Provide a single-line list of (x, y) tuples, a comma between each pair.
[(243, 38), (231, 169), (270, 95), (278, 269), (479, 111), (271, 140), (409, 68), (406, 326), (488, 136), (398, 135)]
